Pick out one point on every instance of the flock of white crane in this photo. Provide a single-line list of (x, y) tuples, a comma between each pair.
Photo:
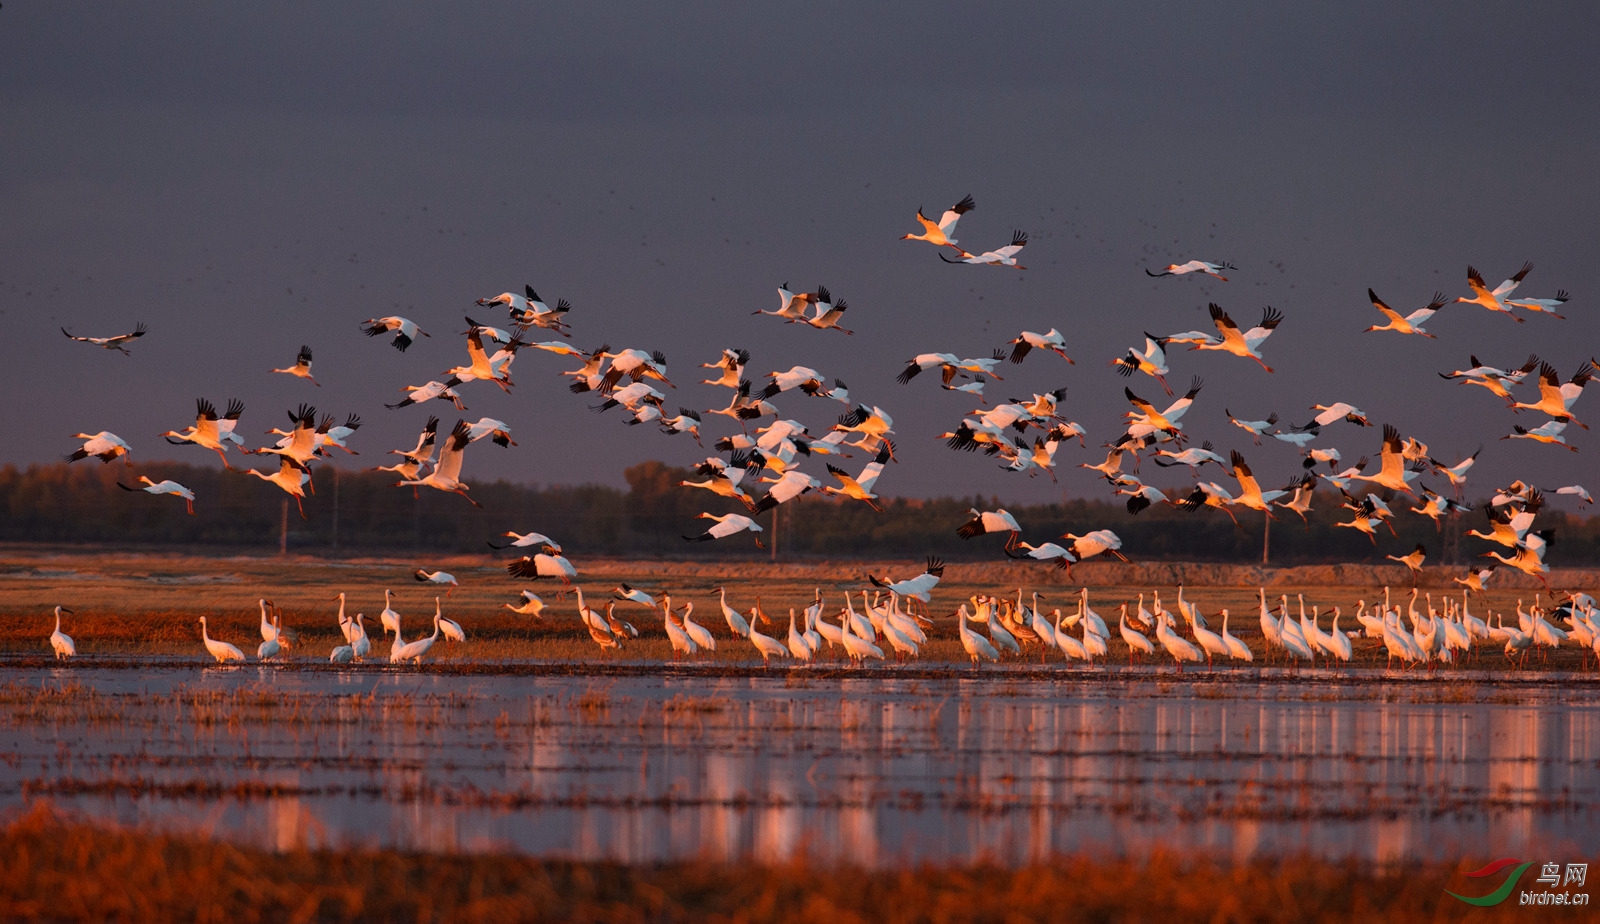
[(772, 456), (1444, 634)]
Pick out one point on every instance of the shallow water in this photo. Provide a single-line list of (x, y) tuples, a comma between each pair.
[(875, 771)]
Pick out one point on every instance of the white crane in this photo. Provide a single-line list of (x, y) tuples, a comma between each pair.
[(117, 343), (991, 521), (792, 307), (422, 393), (1548, 432), (1334, 412), (829, 311), (631, 594), (1180, 648), (530, 311), (1493, 379), (1392, 473), (1556, 398), (401, 651), (164, 487), (941, 232), (804, 378), (405, 330), (697, 633), (922, 362), (767, 646), (446, 476), (917, 588), (859, 487), (1254, 427), (1457, 474), (478, 367), (412, 462), (1411, 323), (1250, 495), (682, 644), (1000, 256), (1028, 341), (1152, 362), (548, 562), (1546, 305), (687, 421), (977, 647), (727, 525), (300, 444), (528, 604), (1245, 344), (1574, 490), (785, 488), (524, 540), (737, 625), (1094, 543), (220, 650), (291, 478), (1492, 299), (301, 367), (498, 430), (60, 642), (1193, 458), (104, 446), (732, 363), (437, 577), (636, 365), (449, 628), (207, 430), (1195, 266), (1136, 640)]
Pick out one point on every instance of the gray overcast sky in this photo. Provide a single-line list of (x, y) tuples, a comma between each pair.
[(249, 177)]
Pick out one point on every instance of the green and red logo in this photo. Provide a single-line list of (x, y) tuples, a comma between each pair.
[(1506, 888)]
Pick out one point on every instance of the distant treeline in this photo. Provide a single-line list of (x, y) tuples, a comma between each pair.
[(362, 510)]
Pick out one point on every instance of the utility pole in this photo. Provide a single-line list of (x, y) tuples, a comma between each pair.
[(775, 532), (1266, 536), (336, 508), (283, 529)]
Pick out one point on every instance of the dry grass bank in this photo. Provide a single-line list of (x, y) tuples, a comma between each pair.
[(62, 870)]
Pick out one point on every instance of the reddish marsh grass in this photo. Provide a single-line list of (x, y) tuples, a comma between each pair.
[(63, 870)]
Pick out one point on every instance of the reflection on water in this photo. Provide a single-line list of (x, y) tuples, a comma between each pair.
[(875, 771)]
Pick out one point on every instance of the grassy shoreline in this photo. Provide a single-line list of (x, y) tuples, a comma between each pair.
[(130, 607)]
